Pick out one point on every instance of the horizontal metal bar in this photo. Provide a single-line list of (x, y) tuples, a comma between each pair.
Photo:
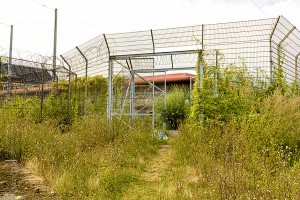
[(163, 70), (126, 57)]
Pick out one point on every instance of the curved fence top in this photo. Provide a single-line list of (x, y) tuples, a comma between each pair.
[(251, 43)]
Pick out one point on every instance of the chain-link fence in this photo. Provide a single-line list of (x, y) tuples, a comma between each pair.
[(260, 45)]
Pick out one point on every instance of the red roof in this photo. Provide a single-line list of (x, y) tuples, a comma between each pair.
[(29, 90), (170, 78)]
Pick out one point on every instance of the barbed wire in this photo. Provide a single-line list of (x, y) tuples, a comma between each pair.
[(5, 24), (41, 4), (29, 68)]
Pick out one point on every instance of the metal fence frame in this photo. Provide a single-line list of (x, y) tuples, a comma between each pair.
[(259, 44), (26, 71)]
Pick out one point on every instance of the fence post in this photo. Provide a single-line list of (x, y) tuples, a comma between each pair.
[(110, 89), (132, 95), (296, 67), (86, 80), (69, 85), (9, 62), (271, 51), (280, 43)]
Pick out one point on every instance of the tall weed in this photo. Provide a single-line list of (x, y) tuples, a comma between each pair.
[(93, 160)]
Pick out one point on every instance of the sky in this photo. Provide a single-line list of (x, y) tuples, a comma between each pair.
[(82, 20)]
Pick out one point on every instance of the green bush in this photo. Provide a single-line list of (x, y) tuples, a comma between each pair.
[(177, 107), (232, 96)]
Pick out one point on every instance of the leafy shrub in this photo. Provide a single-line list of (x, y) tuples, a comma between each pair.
[(177, 107), (231, 97)]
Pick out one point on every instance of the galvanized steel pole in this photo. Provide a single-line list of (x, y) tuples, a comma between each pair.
[(165, 102), (86, 81), (216, 76), (42, 93), (69, 84), (271, 51), (191, 89), (54, 78), (110, 89), (132, 95), (153, 97), (9, 62), (153, 90), (296, 66), (281, 42), (201, 71), (110, 81)]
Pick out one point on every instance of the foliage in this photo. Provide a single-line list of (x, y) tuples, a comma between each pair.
[(246, 145), (97, 90), (177, 107), (254, 155), (278, 82), (225, 93), (93, 160)]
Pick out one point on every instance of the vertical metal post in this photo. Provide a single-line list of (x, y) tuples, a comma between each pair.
[(153, 90), (24, 87), (54, 79), (296, 67), (202, 37), (132, 95), (153, 97), (165, 102), (200, 71), (110, 81), (280, 43), (216, 76), (9, 62), (69, 84), (200, 84), (105, 39), (152, 37), (86, 81), (200, 60), (75, 94), (191, 89), (271, 51), (110, 89), (42, 94)]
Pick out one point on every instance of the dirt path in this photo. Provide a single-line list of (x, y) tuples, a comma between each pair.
[(151, 183), (18, 182), (157, 166)]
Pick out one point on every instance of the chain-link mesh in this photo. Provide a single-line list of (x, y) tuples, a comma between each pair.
[(253, 44)]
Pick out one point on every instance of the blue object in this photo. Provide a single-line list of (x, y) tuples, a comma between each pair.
[(161, 135)]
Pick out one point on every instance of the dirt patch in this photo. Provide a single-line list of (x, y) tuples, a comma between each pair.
[(158, 164), (18, 182)]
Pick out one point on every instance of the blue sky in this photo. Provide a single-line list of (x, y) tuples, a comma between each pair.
[(81, 20)]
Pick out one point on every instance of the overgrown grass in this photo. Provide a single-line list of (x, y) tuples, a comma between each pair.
[(252, 157), (241, 141), (94, 160)]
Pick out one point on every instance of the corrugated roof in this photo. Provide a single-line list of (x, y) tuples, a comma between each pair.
[(24, 74)]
